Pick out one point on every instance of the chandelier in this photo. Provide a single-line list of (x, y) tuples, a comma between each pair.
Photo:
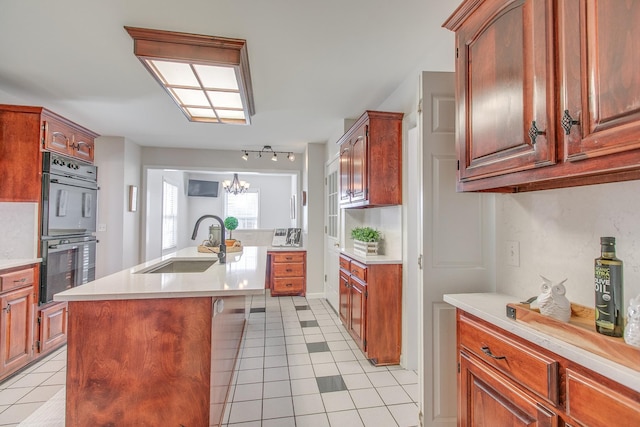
[(235, 186)]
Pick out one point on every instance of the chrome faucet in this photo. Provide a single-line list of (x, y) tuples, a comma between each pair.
[(222, 255)]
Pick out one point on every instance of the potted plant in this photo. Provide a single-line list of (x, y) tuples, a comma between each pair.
[(365, 240), (230, 223)]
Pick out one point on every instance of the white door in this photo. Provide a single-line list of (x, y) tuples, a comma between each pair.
[(331, 233), (457, 248)]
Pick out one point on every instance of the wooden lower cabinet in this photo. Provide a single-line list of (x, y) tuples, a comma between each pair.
[(370, 307), (505, 380), (287, 273), (151, 362), (16, 329), (490, 399), (52, 327), (17, 307)]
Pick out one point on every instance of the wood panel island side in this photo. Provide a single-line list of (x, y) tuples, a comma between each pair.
[(159, 348)]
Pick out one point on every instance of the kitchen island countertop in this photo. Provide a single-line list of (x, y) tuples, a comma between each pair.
[(492, 307), (242, 274)]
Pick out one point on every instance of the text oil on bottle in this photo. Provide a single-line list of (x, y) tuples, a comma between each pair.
[(608, 285)]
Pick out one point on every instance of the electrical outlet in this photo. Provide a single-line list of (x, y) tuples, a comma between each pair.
[(513, 253)]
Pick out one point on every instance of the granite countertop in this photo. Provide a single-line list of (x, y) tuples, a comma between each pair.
[(10, 263), (242, 274), (375, 259), (492, 308)]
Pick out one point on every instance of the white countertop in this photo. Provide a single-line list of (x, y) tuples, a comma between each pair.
[(492, 308), (371, 259), (286, 248), (242, 274), (10, 263)]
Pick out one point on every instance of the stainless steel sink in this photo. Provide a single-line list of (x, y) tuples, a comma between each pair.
[(177, 265)]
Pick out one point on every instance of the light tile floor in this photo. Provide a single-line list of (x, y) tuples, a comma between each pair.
[(297, 366)]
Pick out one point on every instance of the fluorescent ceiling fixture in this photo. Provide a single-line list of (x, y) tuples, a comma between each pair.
[(207, 77)]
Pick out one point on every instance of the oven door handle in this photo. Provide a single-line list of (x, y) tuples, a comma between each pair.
[(68, 245)]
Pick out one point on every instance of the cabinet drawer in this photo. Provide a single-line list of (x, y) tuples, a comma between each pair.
[(292, 269), (288, 285), (287, 257), (358, 270), (345, 263), (16, 279), (533, 370), (593, 403)]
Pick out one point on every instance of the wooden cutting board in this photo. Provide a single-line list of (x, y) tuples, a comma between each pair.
[(579, 331)]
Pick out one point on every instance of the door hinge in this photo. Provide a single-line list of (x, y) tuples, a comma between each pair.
[(325, 277), (458, 165), (458, 367), (39, 320), (420, 262), (366, 294), (420, 106), (457, 53), (38, 346), (366, 132), (364, 343)]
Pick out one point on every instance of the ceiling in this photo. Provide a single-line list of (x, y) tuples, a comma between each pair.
[(313, 64)]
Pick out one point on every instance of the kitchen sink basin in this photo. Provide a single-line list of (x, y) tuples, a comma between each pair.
[(180, 266)]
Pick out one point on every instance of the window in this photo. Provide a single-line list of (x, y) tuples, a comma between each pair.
[(244, 207), (169, 215)]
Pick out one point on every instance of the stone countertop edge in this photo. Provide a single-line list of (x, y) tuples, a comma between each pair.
[(243, 274), (492, 307), (369, 260), (11, 263)]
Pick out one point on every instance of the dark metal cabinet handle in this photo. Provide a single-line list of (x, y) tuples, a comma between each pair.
[(24, 279), (487, 351), (534, 132), (568, 122), (8, 308)]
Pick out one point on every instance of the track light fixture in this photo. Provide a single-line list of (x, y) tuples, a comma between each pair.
[(267, 148)]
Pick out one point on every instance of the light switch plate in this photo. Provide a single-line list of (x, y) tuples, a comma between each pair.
[(513, 253)]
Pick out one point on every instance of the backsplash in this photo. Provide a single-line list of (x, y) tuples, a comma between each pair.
[(559, 237), (388, 220), (18, 229)]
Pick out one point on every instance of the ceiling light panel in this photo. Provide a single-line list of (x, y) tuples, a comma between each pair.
[(207, 77)]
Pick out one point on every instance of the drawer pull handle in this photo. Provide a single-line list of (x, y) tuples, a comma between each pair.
[(289, 284), (24, 279), (487, 351), (289, 270)]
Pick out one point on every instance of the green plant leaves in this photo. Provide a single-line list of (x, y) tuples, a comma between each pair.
[(365, 234)]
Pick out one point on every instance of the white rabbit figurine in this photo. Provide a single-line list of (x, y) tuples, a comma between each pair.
[(553, 302), (632, 330)]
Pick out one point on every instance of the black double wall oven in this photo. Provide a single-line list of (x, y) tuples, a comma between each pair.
[(68, 242)]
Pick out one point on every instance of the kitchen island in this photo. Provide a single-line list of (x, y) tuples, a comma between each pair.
[(157, 348)]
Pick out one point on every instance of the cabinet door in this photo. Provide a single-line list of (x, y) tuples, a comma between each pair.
[(488, 399), (57, 137), (16, 330), (358, 319), (359, 165), (600, 82), (345, 172), (52, 327), (344, 299), (83, 147), (504, 73)]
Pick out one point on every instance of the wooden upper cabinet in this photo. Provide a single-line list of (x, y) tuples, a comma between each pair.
[(504, 73), (67, 138), (24, 133), (600, 81), (371, 161), (571, 67)]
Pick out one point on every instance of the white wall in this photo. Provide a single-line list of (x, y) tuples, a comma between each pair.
[(275, 196), (559, 235), (19, 230), (118, 162), (313, 221)]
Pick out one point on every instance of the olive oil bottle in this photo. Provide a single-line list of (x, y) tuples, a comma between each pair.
[(608, 284)]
